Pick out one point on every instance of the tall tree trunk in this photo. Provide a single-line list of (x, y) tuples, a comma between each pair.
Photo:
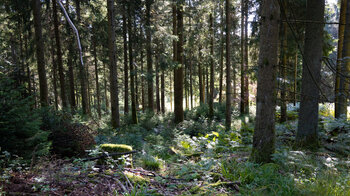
[(207, 85), (200, 77), (105, 86), (264, 134), (149, 56), (143, 102), (54, 73), (162, 84), (295, 79), (222, 40), (171, 92), (339, 107), (345, 68), (96, 77), (131, 61), (186, 83), (242, 106), (228, 64), (59, 56), (27, 64), (126, 76), (157, 84), (308, 115), (246, 63), (113, 65), (71, 56), (44, 100), (174, 50), (284, 75), (82, 73), (211, 92), (179, 71)]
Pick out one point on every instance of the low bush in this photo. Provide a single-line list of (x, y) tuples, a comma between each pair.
[(20, 131)]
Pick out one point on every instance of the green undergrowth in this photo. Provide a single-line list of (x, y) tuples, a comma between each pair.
[(201, 152), (200, 157)]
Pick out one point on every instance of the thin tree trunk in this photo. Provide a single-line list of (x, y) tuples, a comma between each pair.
[(284, 75), (264, 134), (157, 84), (126, 75), (211, 92), (105, 86), (342, 20), (200, 77), (186, 84), (228, 65), (96, 77), (82, 73), (54, 73), (174, 50), (131, 61), (44, 100), (171, 92), (113, 65), (59, 56), (27, 64), (162, 83), (149, 56), (243, 37), (71, 56), (143, 102), (221, 52), (308, 115), (179, 71), (295, 79), (246, 63)]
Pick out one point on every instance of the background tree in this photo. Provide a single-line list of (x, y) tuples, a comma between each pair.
[(308, 115), (264, 133)]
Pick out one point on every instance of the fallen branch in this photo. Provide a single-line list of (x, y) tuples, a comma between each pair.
[(74, 29), (109, 155), (153, 174)]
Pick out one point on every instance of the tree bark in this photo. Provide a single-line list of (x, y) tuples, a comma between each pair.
[(96, 77), (59, 56), (295, 79), (149, 56), (82, 73), (211, 92), (179, 70), (200, 77), (126, 76), (162, 84), (284, 75), (44, 100), (131, 61), (307, 135), (264, 134), (54, 73), (221, 52), (70, 57), (246, 63), (157, 84), (228, 65), (143, 102), (339, 106), (113, 65)]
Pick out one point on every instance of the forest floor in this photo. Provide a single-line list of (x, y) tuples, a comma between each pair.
[(197, 157)]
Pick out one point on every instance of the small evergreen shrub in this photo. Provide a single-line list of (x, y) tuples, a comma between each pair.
[(20, 131)]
